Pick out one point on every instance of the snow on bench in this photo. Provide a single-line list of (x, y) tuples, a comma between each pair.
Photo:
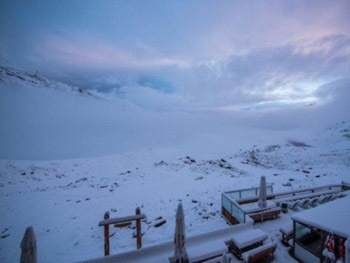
[(266, 214), (245, 241), (293, 205), (303, 196), (304, 203), (213, 244), (248, 238), (206, 251), (287, 233), (314, 201), (228, 257), (254, 208), (259, 252), (323, 199)]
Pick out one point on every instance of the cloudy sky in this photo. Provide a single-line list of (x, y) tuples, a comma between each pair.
[(210, 54)]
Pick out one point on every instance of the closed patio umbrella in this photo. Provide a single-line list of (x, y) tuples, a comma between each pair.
[(28, 247), (262, 193), (179, 237)]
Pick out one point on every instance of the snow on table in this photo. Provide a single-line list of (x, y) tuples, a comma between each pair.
[(287, 229), (248, 238)]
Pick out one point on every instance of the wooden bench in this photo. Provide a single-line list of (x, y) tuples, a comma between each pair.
[(265, 215), (259, 252), (220, 259)]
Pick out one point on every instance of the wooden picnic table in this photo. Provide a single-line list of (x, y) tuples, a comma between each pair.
[(245, 241)]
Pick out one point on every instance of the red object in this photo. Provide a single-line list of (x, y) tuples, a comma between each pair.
[(330, 243), (341, 249)]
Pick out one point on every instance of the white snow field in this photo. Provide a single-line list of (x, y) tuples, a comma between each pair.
[(68, 156)]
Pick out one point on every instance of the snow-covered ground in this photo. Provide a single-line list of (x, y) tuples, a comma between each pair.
[(68, 156)]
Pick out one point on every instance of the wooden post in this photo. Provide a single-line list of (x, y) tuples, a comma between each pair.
[(106, 230), (28, 247), (138, 230), (110, 221)]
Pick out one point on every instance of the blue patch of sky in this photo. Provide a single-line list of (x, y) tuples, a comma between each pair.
[(156, 84)]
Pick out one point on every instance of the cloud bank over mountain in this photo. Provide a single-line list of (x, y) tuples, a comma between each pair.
[(222, 55)]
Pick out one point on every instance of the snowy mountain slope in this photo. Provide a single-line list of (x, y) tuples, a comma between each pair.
[(66, 157), (14, 78), (65, 200)]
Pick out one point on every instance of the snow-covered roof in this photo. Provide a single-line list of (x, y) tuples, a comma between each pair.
[(333, 217)]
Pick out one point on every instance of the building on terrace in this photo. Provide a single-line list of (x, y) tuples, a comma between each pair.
[(320, 234)]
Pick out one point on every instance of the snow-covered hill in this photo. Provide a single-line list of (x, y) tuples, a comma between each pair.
[(131, 157), (14, 78)]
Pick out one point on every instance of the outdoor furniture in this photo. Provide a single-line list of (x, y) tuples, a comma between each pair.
[(340, 195), (331, 197), (213, 260), (304, 203), (245, 241), (287, 233), (206, 251), (323, 199), (293, 205), (313, 202), (311, 195), (259, 252), (266, 214)]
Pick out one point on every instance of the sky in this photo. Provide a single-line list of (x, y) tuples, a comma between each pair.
[(213, 55)]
